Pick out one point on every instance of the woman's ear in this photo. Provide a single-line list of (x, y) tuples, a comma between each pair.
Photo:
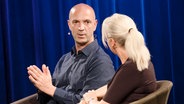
[(112, 42)]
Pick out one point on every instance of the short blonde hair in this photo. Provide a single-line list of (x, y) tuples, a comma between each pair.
[(123, 29)]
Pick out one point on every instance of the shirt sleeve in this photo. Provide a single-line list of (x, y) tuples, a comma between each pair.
[(64, 97), (43, 98), (122, 85)]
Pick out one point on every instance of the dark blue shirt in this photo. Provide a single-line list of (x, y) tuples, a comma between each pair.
[(76, 73)]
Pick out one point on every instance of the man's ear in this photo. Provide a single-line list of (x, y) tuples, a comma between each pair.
[(95, 24), (69, 24)]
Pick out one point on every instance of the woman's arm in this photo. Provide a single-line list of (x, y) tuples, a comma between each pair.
[(100, 92), (97, 102)]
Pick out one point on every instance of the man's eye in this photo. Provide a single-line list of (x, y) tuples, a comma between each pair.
[(87, 22), (75, 22)]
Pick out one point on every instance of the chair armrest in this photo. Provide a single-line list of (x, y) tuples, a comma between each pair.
[(31, 99)]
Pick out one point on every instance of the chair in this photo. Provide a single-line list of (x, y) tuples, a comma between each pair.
[(160, 96), (31, 99)]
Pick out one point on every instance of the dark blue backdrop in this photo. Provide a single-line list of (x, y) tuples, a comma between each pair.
[(36, 32)]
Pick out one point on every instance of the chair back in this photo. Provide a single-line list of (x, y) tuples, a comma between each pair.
[(160, 96)]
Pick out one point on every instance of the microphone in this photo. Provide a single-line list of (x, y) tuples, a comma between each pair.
[(68, 33)]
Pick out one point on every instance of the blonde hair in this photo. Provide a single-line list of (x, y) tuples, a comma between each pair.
[(123, 29)]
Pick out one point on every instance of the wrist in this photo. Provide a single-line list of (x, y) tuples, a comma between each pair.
[(51, 91)]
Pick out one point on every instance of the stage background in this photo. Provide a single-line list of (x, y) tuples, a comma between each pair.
[(36, 32)]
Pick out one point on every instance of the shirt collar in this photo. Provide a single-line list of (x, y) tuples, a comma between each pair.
[(88, 49)]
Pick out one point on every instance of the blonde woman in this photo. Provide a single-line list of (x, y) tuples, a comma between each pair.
[(135, 77)]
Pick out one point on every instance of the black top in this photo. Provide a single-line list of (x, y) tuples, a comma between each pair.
[(75, 74), (129, 84)]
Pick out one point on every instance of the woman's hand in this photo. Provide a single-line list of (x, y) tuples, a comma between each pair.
[(90, 96), (82, 101)]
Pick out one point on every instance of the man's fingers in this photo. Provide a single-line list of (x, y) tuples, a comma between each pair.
[(37, 69), (32, 79), (45, 69), (33, 74)]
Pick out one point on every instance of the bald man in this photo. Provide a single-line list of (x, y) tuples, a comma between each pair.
[(84, 68)]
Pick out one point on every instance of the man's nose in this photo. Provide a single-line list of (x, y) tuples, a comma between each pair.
[(81, 26)]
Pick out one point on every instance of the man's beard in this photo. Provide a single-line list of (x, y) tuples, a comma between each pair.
[(82, 43)]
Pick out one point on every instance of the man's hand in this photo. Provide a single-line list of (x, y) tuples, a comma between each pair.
[(41, 80)]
